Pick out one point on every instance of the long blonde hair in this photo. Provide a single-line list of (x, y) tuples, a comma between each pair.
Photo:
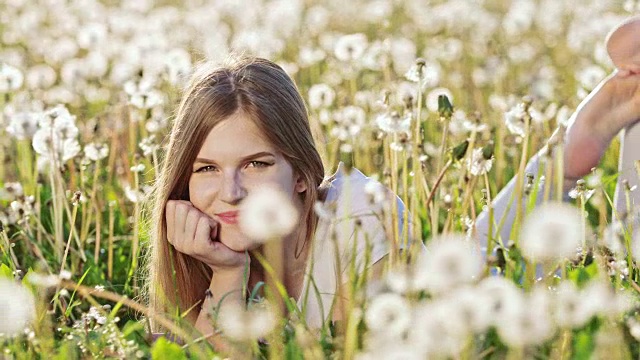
[(265, 92)]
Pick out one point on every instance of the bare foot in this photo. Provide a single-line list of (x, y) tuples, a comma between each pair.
[(613, 105)]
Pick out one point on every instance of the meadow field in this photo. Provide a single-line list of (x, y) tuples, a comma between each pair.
[(441, 101)]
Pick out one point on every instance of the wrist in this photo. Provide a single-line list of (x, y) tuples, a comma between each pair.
[(227, 285)]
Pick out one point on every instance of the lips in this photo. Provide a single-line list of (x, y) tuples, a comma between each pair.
[(229, 217)]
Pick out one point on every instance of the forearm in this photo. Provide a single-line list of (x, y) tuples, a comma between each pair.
[(629, 154), (225, 289), (504, 204)]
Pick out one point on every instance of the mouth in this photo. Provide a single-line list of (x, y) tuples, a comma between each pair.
[(230, 217)]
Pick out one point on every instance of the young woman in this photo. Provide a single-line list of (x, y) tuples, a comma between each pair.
[(238, 127), (245, 125)]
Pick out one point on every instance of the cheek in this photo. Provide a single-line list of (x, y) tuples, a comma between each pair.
[(202, 191), (282, 180)]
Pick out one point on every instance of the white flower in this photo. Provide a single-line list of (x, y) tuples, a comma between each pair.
[(94, 314), (321, 96), (325, 210), (252, 324), (503, 296), (438, 329), (95, 152), (45, 281), (389, 313), (474, 306), (134, 195), (10, 78), (41, 77), (430, 74), (23, 125), (147, 100), (267, 213), (477, 164), (571, 310), (553, 231), (376, 192), (138, 168), (530, 324), (56, 139), (613, 238), (350, 47), (393, 123), (11, 191), (449, 262), (178, 63), (591, 76), (65, 275), (514, 118), (17, 307)]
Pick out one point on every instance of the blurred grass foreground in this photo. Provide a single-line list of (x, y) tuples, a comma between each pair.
[(88, 90)]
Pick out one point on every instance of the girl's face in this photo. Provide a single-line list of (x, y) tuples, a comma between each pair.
[(234, 159)]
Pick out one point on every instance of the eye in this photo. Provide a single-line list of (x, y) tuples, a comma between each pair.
[(207, 168), (258, 164)]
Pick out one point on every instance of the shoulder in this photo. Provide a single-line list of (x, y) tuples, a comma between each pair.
[(356, 195)]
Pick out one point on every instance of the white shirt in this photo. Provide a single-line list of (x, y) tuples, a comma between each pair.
[(348, 202)]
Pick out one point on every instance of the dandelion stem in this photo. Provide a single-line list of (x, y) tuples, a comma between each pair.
[(520, 179), (71, 229), (438, 180), (110, 250)]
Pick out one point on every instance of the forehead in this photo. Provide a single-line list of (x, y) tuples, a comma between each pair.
[(235, 136)]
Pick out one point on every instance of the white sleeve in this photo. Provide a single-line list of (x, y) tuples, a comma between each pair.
[(369, 234), (505, 206), (629, 154)]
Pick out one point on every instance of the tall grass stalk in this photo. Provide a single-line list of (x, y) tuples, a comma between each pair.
[(521, 175), (71, 230)]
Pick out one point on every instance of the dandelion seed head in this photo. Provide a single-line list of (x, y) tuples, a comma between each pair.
[(449, 262), (11, 78), (570, 309), (261, 220), (477, 164), (95, 151), (389, 313), (17, 307), (393, 123), (321, 96), (551, 232), (350, 47), (252, 324), (514, 119)]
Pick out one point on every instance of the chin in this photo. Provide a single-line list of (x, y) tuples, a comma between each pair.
[(237, 241)]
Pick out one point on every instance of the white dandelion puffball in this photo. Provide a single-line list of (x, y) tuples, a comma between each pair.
[(267, 213), (254, 323), (17, 307), (449, 262), (10, 78), (552, 232), (389, 313)]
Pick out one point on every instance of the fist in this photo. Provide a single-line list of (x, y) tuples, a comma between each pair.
[(193, 233)]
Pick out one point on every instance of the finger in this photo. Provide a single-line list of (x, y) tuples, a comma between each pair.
[(180, 221), (170, 213), (214, 227), (203, 241), (190, 227)]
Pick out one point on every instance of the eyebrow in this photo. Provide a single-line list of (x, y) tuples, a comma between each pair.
[(248, 157)]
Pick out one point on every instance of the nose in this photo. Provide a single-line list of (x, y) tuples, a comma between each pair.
[(232, 191)]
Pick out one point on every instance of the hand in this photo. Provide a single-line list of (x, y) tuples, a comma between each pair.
[(613, 105), (194, 233)]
